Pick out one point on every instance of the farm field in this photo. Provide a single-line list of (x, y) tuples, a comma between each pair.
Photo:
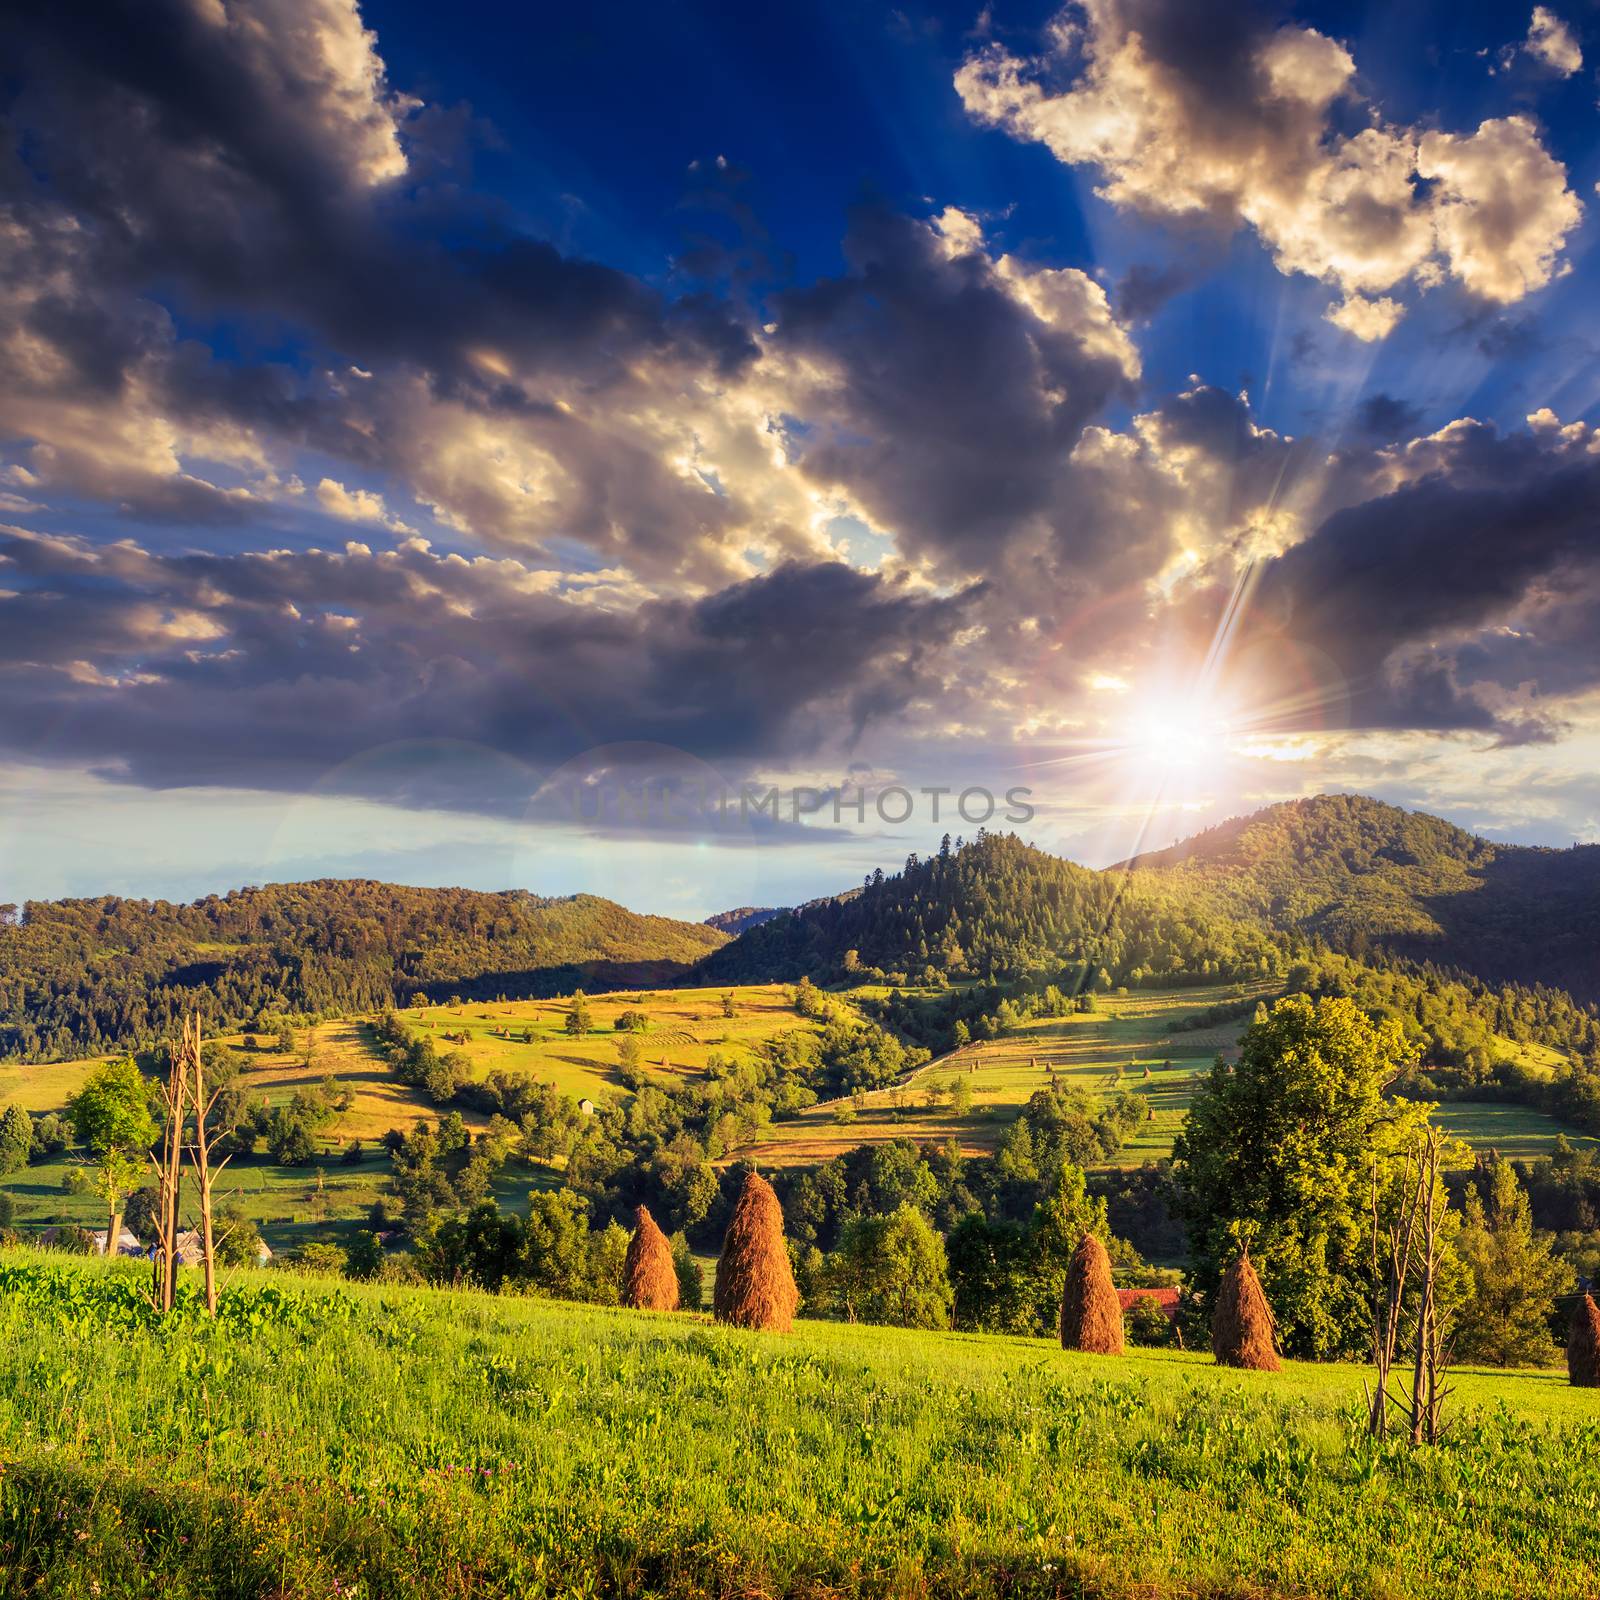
[(1099, 1051), (386, 1442)]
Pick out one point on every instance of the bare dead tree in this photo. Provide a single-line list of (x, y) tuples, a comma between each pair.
[(175, 1096), (202, 1149), (1392, 1243), (1415, 1242)]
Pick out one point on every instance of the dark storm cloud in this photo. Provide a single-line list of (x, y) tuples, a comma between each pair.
[(1453, 585), (961, 385), (1384, 418), (1143, 289), (235, 162), (270, 671)]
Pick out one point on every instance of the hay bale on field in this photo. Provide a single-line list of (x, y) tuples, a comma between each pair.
[(1241, 1320), (649, 1275), (755, 1286), (1583, 1345), (1091, 1313)]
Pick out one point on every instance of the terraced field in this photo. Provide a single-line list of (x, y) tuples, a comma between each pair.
[(1133, 1042)]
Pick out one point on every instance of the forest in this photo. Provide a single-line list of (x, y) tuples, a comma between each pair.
[(78, 977)]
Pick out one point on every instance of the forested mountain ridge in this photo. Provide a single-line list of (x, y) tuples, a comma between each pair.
[(81, 976), (1363, 875), (1000, 909), (736, 921)]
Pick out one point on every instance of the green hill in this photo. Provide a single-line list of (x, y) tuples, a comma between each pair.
[(998, 909), (1363, 875), (78, 977)]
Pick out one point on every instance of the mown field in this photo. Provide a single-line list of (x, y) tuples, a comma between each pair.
[(384, 1442), (686, 1027), (1098, 1051)]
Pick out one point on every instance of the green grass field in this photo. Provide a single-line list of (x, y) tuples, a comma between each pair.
[(386, 1442)]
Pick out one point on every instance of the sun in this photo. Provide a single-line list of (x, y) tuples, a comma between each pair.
[(1177, 739)]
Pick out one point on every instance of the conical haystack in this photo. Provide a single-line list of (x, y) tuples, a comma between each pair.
[(755, 1287), (649, 1276), (1241, 1321), (1583, 1345), (1091, 1314)]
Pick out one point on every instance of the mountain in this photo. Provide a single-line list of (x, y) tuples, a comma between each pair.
[(81, 976), (737, 921), (1367, 876), (998, 908)]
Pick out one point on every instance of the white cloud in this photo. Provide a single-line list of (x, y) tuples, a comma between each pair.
[(357, 505), (1551, 42), (1366, 319), (1501, 207), (1265, 150)]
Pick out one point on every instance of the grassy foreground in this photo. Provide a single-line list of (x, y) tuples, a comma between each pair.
[(331, 1440)]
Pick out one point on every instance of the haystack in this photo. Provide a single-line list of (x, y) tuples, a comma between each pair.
[(1241, 1320), (755, 1287), (1583, 1345), (1091, 1314), (649, 1276)]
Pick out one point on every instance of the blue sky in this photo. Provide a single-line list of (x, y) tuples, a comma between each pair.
[(419, 416)]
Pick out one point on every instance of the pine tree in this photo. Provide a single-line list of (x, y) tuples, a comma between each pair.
[(1515, 1276)]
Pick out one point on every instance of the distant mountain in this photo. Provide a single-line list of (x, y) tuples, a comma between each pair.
[(81, 976), (737, 921), (1364, 875), (997, 908)]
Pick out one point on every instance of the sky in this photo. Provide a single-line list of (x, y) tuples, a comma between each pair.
[(700, 454)]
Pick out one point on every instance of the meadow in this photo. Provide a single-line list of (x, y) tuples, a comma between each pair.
[(332, 1439)]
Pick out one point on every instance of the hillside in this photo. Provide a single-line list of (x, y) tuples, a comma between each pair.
[(999, 909), (393, 1442), (740, 918), (1363, 875), (79, 977)]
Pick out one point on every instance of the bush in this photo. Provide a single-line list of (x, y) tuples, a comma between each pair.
[(318, 1255), (363, 1257), (238, 1238), (1148, 1324)]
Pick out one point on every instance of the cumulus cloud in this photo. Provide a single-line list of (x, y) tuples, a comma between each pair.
[(1552, 43), (1203, 111)]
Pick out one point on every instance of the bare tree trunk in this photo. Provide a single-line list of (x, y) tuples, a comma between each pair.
[(202, 1158), (1400, 1238), (175, 1093)]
